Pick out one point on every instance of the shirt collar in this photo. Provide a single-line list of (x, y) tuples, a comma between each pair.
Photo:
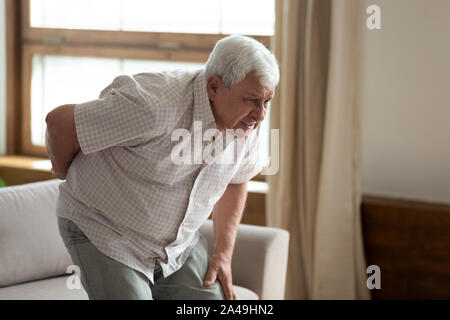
[(202, 108)]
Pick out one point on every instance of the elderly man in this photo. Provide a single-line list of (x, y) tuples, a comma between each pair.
[(127, 213)]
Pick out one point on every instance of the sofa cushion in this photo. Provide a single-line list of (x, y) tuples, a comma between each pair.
[(30, 245), (47, 289), (56, 289)]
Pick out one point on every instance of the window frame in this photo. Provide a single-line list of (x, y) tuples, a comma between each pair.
[(185, 47)]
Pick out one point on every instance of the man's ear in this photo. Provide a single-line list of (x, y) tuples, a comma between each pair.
[(212, 85)]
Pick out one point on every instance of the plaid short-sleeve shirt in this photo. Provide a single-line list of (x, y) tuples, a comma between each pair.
[(125, 192)]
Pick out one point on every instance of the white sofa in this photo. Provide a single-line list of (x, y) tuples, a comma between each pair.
[(34, 260)]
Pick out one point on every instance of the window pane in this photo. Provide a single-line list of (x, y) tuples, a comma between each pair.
[(58, 80), (76, 14), (193, 16), (248, 17), (137, 66), (171, 16)]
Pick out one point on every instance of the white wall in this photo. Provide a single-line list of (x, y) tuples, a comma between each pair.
[(406, 101), (2, 79)]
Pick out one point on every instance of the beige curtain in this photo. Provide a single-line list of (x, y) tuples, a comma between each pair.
[(316, 193)]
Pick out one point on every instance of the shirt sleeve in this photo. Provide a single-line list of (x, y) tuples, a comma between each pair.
[(122, 115), (252, 164)]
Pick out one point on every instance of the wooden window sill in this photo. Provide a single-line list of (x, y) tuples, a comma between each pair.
[(17, 170), (23, 162)]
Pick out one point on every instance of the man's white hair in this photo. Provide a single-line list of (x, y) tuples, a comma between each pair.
[(235, 56)]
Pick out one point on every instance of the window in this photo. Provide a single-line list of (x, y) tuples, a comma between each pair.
[(195, 16), (72, 49)]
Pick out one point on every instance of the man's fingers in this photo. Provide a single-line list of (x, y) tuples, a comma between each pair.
[(223, 274), (211, 276), (227, 286)]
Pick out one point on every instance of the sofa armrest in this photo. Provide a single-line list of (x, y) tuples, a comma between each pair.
[(259, 258)]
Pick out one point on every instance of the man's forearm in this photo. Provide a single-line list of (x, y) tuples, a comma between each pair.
[(227, 215), (61, 144), (61, 159)]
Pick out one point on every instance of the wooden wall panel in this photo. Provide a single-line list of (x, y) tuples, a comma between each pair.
[(410, 242), (255, 209)]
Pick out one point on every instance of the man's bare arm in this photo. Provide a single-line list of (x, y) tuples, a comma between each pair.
[(61, 139), (227, 215)]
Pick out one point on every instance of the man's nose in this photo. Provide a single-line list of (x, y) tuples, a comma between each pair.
[(259, 113)]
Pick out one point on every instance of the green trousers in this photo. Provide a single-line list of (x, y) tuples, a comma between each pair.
[(104, 278)]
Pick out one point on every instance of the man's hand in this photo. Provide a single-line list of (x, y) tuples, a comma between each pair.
[(220, 268)]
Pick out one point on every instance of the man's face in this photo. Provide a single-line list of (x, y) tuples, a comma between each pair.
[(242, 107)]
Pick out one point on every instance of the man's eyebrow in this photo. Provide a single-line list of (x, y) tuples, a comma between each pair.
[(257, 95)]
